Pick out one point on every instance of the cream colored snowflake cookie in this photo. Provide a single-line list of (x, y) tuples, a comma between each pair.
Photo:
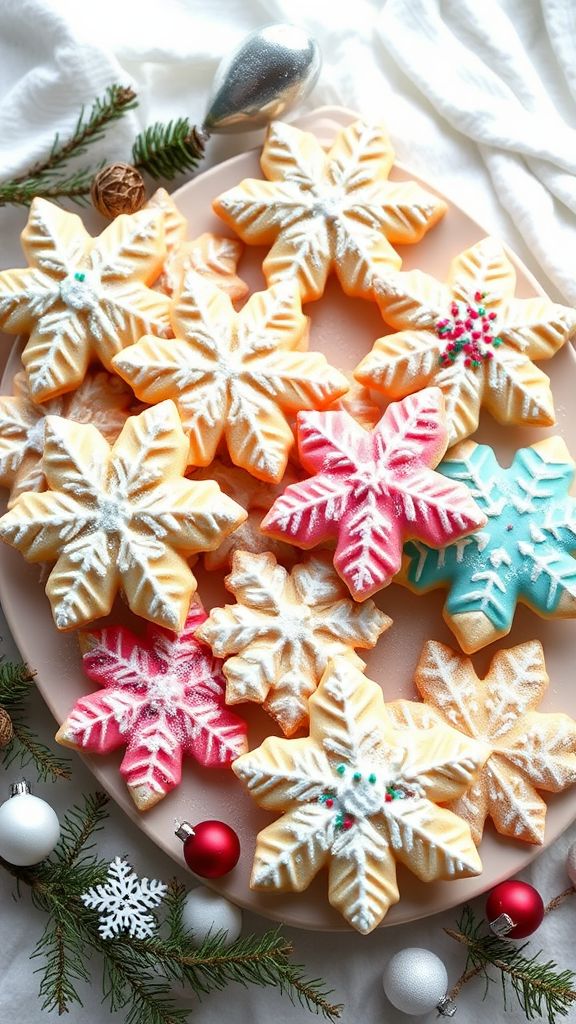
[(101, 399), (119, 517), (283, 631), (357, 795), (471, 338), (211, 256), (329, 211), (256, 497), (234, 375), (528, 750), (82, 298), (358, 403)]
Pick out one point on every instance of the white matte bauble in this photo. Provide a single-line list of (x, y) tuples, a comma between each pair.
[(205, 911), (415, 980), (571, 863), (29, 830)]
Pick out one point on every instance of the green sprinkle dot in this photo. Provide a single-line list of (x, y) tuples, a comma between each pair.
[(79, 276), (357, 776), (372, 778), (481, 310), (497, 342), (341, 769), (338, 820)]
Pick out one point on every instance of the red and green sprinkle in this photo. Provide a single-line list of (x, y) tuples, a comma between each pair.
[(468, 331)]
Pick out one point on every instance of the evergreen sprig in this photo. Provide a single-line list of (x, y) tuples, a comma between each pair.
[(45, 177), (538, 985), (165, 150), (139, 974), (25, 748)]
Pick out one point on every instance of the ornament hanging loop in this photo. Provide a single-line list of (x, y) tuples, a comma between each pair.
[(17, 788)]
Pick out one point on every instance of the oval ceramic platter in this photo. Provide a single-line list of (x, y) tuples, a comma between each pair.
[(344, 329)]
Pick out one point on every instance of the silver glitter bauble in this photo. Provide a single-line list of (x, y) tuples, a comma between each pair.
[(271, 70)]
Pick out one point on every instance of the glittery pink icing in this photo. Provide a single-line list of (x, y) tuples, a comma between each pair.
[(373, 489), (162, 697)]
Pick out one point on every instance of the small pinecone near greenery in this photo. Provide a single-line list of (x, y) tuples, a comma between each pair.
[(118, 188), (6, 729)]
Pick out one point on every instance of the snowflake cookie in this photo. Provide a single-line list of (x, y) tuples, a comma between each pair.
[(325, 211), (372, 489), (209, 255), (120, 516), (124, 902), (101, 399), (528, 750), (283, 631), (256, 497), (470, 337), (234, 375), (163, 698), (523, 554), (81, 297), (359, 794)]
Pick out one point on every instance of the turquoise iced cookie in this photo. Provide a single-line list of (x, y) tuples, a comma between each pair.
[(524, 553)]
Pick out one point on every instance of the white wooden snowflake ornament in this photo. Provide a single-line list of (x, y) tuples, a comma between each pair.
[(124, 902), (357, 795)]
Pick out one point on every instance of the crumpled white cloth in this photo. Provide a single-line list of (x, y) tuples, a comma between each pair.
[(480, 98)]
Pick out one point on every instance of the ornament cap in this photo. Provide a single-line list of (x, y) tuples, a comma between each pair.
[(501, 925), (17, 788), (184, 831), (446, 1007)]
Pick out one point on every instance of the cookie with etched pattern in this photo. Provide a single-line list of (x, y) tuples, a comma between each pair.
[(529, 750), (322, 211), (82, 298), (523, 554), (358, 795), (119, 517), (472, 338)]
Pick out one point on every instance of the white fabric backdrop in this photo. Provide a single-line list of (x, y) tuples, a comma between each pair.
[(479, 97)]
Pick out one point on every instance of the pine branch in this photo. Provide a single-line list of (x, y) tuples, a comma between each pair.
[(139, 973), (538, 985), (15, 682), (25, 748), (44, 177), (165, 150)]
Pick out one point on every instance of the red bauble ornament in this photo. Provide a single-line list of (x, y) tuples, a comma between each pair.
[(211, 848), (521, 902)]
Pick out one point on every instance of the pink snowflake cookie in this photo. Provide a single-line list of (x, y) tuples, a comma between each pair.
[(373, 489), (162, 697)]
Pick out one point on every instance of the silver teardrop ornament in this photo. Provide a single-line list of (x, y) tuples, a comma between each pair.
[(271, 70)]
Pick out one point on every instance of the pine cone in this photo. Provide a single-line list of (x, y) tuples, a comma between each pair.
[(118, 188), (6, 729)]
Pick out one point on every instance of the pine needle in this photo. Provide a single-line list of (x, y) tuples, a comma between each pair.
[(166, 150), (45, 179), (540, 988), (25, 748), (139, 975)]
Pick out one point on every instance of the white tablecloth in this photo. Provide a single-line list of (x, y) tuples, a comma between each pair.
[(490, 117)]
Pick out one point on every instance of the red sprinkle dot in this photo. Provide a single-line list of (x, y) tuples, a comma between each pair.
[(492, 316), (387, 798), (329, 803), (347, 824)]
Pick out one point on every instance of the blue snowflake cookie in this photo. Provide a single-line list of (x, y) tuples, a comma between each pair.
[(525, 553)]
